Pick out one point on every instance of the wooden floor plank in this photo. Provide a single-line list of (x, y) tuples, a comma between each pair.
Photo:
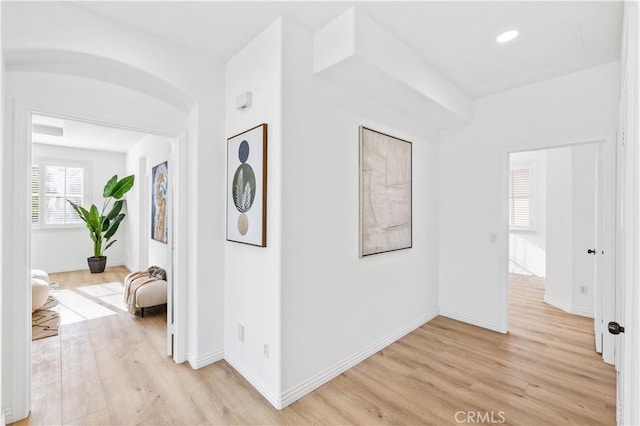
[(113, 370)]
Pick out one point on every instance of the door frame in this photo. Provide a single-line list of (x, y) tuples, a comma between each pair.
[(19, 316), (604, 309), (628, 266)]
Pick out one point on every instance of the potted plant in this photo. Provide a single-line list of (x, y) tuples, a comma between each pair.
[(103, 226)]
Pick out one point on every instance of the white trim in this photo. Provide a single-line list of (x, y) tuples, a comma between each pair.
[(197, 362), (16, 300), (314, 382), (266, 391), (568, 307), (79, 266), (473, 320), (179, 247), (6, 416)]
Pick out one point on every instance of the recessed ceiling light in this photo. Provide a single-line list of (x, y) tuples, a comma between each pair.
[(507, 36)]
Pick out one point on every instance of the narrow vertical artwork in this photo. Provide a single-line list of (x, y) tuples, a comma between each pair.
[(159, 185), (385, 193), (247, 187)]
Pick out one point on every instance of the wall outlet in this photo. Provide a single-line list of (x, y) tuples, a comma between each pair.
[(583, 289), (241, 332), (493, 239), (265, 350)]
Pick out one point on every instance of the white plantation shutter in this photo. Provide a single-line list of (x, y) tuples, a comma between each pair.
[(62, 183), (35, 195), (520, 198), (51, 186)]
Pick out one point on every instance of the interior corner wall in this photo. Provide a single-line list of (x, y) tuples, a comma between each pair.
[(142, 251), (337, 308), (473, 180), (206, 196), (584, 183), (46, 242), (252, 274), (559, 282)]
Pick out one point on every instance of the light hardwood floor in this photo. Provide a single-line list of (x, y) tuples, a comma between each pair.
[(112, 371)]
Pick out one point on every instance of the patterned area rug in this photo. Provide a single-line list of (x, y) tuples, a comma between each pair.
[(46, 320)]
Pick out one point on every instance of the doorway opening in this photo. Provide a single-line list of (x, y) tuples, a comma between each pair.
[(560, 239), (73, 159)]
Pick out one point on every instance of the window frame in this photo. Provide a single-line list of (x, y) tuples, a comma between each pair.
[(42, 163), (533, 186)]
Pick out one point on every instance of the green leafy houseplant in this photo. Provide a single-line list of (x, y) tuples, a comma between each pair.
[(103, 225)]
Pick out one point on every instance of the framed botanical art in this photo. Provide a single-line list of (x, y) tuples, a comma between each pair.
[(247, 187), (385, 193), (159, 185)]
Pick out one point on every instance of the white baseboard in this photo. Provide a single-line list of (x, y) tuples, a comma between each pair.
[(567, 307), (270, 394), (7, 416), (335, 370), (473, 320), (77, 267), (197, 362)]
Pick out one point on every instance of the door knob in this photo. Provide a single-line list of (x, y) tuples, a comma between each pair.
[(615, 328), (591, 251)]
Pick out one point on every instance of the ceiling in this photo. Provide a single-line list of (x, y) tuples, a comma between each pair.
[(458, 38), (77, 134)]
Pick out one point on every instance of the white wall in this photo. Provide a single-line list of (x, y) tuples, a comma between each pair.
[(46, 253), (571, 230), (253, 274), (337, 308), (559, 282), (141, 250), (584, 183), (473, 180), (527, 249), (308, 295)]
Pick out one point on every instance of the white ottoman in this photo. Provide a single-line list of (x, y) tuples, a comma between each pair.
[(41, 275), (151, 294), (142, 291), (39, 293)]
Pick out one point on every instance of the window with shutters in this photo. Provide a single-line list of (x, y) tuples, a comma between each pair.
[(35, 195), (52, 184), (521, 202)]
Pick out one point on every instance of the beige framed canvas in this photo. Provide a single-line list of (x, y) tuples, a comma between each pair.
[(385, 193)]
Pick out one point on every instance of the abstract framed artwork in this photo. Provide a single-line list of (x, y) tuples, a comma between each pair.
[(159, 186), (385, 193), (247, 187)]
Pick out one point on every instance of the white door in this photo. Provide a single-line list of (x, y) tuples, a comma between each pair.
[(622, 266), (627, 221)]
